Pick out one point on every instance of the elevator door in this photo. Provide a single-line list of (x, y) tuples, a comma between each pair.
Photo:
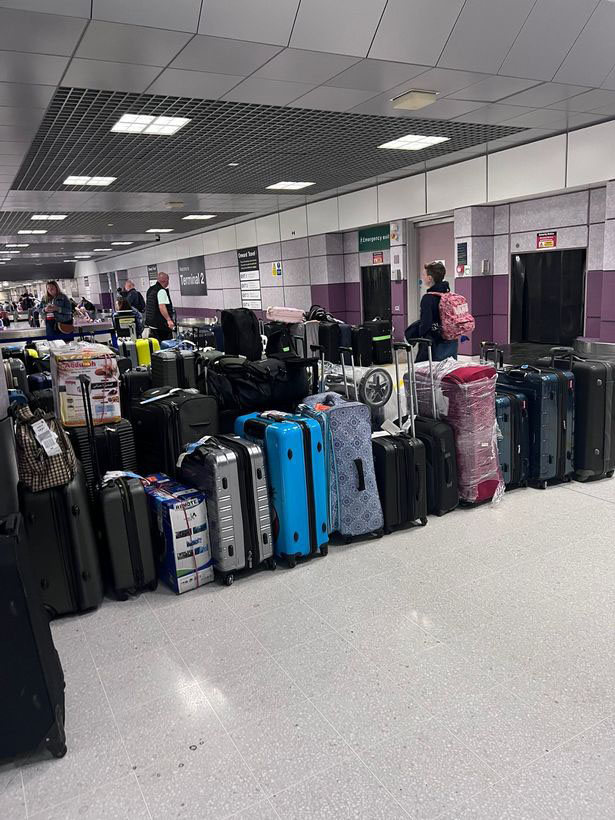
[(376, 291), (547, 297)]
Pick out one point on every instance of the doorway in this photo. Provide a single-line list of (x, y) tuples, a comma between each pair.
[(547, 297), (376, 292)]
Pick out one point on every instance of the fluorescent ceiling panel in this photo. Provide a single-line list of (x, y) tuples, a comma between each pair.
[(413, 142)]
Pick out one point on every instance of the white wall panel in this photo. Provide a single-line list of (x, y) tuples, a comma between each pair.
[(575, 237), (358, 208), (227, 238), (591, 157), (195, 245), (210, 242), (268, 229), (402, 198), (246, 234), (457, 185), (528, 169), (323, 216), (293, 223)]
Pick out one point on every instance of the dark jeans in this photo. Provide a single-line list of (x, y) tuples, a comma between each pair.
[(162, 334), (439, 351), (51, 333)]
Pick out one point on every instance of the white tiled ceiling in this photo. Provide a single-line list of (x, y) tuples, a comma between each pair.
[(261, 21), (545, 94), (328, 98), (32, 96), (44, 33), (43, 69), (296, 65), (76, 8), (493, 89), (181, 15), (177, 82), (224, 56), (342, 26), (596, 100), (141, 45), (101, 74), (267, 92), (376, 75), (590, 59)]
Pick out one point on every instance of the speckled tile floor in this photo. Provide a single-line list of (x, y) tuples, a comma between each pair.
[(464, 670)]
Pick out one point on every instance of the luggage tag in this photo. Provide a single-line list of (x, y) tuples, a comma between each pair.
[(190, 448), (46, 438), (390, 428)]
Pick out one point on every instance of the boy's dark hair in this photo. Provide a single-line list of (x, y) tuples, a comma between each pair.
[(436, 270)]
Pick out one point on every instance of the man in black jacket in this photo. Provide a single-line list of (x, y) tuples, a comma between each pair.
[(159, 309), (133, 296), (428, 325)]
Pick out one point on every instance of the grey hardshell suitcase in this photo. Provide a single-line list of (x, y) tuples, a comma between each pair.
[(231, 472), (174, 368), (128, 348)]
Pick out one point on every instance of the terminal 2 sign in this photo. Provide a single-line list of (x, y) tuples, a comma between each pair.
[(192, 279)]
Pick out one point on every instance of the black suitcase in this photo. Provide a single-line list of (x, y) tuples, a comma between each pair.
[(439, 440), (133, 384), (329, 337), (279, 339), (43, 399), (115, 450), (380, 331), (242, 336), (63, 546), (9, 503), (165, 421), (362, 346), (594, 430), (32, 681), (39, 381), (517, 428), (400, 464), (174, 368)]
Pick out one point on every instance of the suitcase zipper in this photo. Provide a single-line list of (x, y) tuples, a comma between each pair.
[(131, 531), (65, 541), (309, 482)]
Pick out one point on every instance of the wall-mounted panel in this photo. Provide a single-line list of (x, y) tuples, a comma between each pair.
[(322, 217), (566, 238), (268, 229), (528, 169), (210, 242), (227, 238), (246, 234), (402, 198), (358, 209), (591, 157), (293, 223), (549, 212), (457, 185)]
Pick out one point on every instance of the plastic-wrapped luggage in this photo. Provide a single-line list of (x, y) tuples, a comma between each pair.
[(295, 463), (32, 676), (289, 315), (230, 471), (465, 399)]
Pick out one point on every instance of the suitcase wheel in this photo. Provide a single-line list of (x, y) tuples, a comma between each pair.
[(324, 550), (610, 474), (271, 564), (348, 539), (542, 485), (228, 579), (153, 585), (423, 522), (291, 563)]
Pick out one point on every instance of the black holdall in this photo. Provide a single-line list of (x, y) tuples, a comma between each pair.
[(242, 336)]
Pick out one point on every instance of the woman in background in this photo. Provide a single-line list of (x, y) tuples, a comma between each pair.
[(58, 312)]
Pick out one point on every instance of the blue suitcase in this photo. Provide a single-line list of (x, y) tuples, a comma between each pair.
[(39, 381), (566, 400), (541, 390), (297, 481), (514, 443)]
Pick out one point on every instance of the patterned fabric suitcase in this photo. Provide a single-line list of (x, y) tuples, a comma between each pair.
[(356, 507), (295, 463), (231, 472)]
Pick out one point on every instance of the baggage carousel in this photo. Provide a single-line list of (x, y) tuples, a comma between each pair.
[(594, 348)]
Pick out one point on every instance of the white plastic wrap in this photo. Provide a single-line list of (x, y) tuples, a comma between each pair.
[(465, 399)]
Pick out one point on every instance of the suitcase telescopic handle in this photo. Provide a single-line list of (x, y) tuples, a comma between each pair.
[(320, 349), (562, 353), (86, 382), (428, 344), (348, 351)]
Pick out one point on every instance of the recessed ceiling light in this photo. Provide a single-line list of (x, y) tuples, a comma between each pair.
[(414, 99), (289, 186), (71, 260), (101, 249), (199, 216), (233, 164), (17, 245), (78, 180), (49, 217), (413, 142), (121, 243), (28, 231), (147, 124), (159, 230), (79, 257), (13, 251)]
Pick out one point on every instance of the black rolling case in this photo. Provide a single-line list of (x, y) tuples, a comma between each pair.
[(63, 546), (166, 420), (115, 449), (362, 346), (439, 440), (174, 368), (43, 399), (32, 681), (329, 337), (380, 331), (594, 429), (133, 384), (242, 335), (399, 461)]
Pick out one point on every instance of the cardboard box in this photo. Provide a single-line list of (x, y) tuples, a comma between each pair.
[(180, 517), (100, 364)]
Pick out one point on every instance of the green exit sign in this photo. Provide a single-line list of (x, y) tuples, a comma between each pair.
[(376, 238)]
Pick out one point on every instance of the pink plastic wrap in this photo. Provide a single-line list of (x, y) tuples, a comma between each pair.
[(465, 398)]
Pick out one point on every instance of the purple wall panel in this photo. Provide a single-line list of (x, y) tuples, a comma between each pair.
[(320, 295), (482, 295), (500, 330), (500, 295), (353, 317), (607, 331), (353, 296), (399, 326), (197, 313), (337, 298), (482, 333), (594, 293), (463, 285), (592, 328), (608, 296)]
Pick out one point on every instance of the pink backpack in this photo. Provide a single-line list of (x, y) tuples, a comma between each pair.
[(455, 317)]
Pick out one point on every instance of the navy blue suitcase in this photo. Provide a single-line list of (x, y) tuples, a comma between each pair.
[(514, 445), (542, 391), (39, 381), (297, 476), (566, 400)]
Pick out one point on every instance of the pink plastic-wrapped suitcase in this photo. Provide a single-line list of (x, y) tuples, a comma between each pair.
[(465, 398)]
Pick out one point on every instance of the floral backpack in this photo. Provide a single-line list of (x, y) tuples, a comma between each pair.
[(455, 317)]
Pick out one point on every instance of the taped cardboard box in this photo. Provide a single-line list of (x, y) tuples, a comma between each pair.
[(180, 517), (100, 364)]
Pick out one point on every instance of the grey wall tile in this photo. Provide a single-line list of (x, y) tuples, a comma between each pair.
[(609, 245), (352, 271), (296, 272), (610, 201), (595, 250), (482, 221), (270, 253), (482, 248), (501, 254), (232, 298), (227, 259), (597, 205), (295, 248), (229, 277), (501, 219), (268, 280), (463, 221), (272, 297), (212, 260), (351, 242), (335, 243), (319, 274), (549, 212), (298, 296), (575, 237), (317, 245), (214, 279), (335, 268)]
